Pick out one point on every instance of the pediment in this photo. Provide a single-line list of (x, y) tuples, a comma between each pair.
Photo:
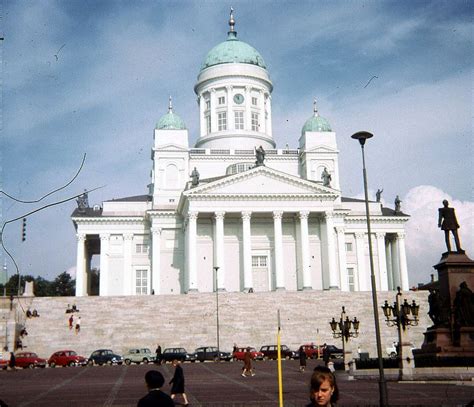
[(170, 147), (261, 181), (322, 149)]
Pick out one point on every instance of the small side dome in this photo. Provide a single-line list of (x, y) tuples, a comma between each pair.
[(316, 122), (170, 121)]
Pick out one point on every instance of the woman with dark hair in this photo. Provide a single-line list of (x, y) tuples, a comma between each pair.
[(323, 391)]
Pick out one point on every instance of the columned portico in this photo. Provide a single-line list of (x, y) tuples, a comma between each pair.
[(81, 274), (395, 253), (383, 275), (278, 242), (156, 259), (361, 263), (219, 249), (334, 276), (191, 232), (341, 244), (104, 264), (247, 250), (304, 241), (129, 286)]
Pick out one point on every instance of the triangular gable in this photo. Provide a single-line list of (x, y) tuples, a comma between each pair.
[(322, 149), (170, 147), (261, 181)]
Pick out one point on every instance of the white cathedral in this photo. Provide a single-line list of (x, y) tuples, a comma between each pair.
[(235, 213)]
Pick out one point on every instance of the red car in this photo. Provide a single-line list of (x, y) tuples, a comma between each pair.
[(66, 358), (313, 351), (29, 359), (239, 353)]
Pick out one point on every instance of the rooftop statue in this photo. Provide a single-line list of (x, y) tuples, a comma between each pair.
[(260, 155), (378, 194), (447, 221), (326, 177), (398, 204), (195, 177), (82, 201)]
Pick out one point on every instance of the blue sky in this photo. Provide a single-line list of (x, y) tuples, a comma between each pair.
[(94, 77)]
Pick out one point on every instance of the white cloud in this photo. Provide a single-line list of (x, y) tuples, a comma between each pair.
[(424, 240)]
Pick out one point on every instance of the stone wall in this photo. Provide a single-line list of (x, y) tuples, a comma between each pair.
[(190, 320)]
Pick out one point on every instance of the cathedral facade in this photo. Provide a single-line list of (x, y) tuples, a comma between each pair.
[(235, 213)]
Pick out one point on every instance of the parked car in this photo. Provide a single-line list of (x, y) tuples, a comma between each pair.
[(101, 356), (3, 361), (392, 350), (66, 358), (238, 353), (210, 353), (170, 354), (271, 352), (29, 359), (138, 355), (334, 351), (312, 351)]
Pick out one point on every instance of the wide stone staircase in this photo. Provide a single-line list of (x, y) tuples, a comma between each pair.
[(190, 320)]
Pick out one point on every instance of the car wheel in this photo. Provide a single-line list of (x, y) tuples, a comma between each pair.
[(71, 363), (100, 363), (31, 366), (393, 355), (145, 360), (52, 364), (128, 361)]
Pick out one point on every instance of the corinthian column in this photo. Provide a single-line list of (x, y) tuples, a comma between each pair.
[(129, 284), (104, 264), (247, 250), (403, 261), (278, 241), (304, 238), (191, 245), (219, 249), (81, 276), (341, 244), (156, 259), (334, 281), (361, 263), (383, 276)]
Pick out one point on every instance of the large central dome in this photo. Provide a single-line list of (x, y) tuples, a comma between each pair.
[(233, 51)]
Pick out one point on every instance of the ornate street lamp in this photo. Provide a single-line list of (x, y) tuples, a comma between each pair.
[(362, 136), (343, 329), (402, 315), (216, 269)]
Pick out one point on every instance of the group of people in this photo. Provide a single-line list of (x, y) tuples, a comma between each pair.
[(323, 390), (74, 323), (31, 314)]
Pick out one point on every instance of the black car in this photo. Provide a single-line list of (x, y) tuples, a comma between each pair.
[(104, 356), (170, 354), (271, 352), (210, 353), (334, 351)]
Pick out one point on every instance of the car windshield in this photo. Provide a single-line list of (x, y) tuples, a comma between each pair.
[(146, 351), (72, 353)]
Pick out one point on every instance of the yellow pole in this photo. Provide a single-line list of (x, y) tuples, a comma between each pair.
[(280, 379)]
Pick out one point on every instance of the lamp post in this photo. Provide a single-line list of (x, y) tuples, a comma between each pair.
[(216, 269), (362, 136), (398, 315), (344, 332)]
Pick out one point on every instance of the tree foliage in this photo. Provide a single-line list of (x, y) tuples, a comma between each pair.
[(63, 285)]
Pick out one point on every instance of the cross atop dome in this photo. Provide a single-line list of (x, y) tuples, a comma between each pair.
[(315, 108), (231, 21), (170, 105)]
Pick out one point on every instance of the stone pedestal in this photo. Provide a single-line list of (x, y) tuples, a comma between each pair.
[(450, 339)]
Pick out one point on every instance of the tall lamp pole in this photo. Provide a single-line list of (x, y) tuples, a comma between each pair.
[(362, 136), (216, 268)]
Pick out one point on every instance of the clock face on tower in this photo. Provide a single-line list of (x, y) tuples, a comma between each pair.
[(238, 98)]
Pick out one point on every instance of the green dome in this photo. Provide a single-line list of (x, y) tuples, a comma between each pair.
[(233, 51), (316, 122), (170, 121)]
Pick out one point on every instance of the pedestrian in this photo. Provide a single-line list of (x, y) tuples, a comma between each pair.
[(323, 390), (78, 325), (326, 355), (158, 355), (154, 381), (178, 382), (12, 361), (71, 321), (302, 355), (247, 364)]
